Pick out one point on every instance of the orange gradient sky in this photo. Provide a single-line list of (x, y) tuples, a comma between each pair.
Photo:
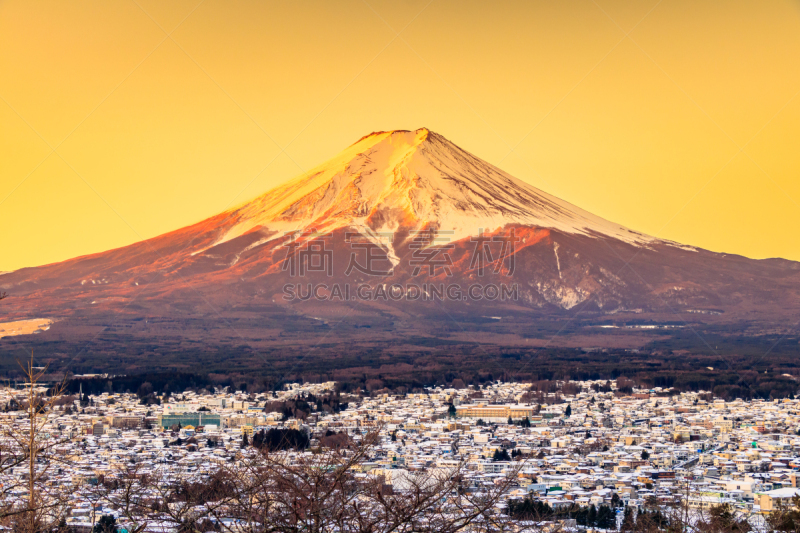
[(122, 120)]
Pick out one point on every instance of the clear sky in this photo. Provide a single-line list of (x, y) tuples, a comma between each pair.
[(122, 120)]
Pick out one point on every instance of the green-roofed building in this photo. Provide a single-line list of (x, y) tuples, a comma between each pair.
[(195, 419)]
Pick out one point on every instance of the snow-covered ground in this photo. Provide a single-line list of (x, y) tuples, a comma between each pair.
[(24, 327)]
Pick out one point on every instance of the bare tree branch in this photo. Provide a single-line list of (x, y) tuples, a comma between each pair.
[(33, 501)]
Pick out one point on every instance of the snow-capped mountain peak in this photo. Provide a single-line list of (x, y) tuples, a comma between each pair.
[(239, 263), (413, 179)]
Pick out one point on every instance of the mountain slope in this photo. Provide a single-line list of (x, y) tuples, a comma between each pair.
[(377, 198)]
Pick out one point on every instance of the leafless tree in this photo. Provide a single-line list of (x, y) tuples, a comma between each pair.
[(129, 490), (678, 516), (785, 516), (319, 491), (330, 490), (30, 460), (147, 495)]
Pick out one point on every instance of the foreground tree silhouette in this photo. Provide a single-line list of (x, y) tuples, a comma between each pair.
[(785, 517), (724, 519), (106, 524), (326, 492), (30, 503), (678, 517), (261, 490)]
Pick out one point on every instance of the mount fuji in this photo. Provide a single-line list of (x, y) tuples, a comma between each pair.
[(394, 198), (389, 180)]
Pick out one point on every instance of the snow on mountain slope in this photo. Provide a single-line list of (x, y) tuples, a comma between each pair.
[(235, 262), (413, 179)]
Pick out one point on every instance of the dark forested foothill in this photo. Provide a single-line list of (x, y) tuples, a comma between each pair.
[(750, 374), (157, 383)]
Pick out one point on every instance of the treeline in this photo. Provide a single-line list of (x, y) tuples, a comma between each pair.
[(551, 373), (303, 405), (280, 439), (602, 517), (645, 520), (160, 383), (727, 385), (728, 377)]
